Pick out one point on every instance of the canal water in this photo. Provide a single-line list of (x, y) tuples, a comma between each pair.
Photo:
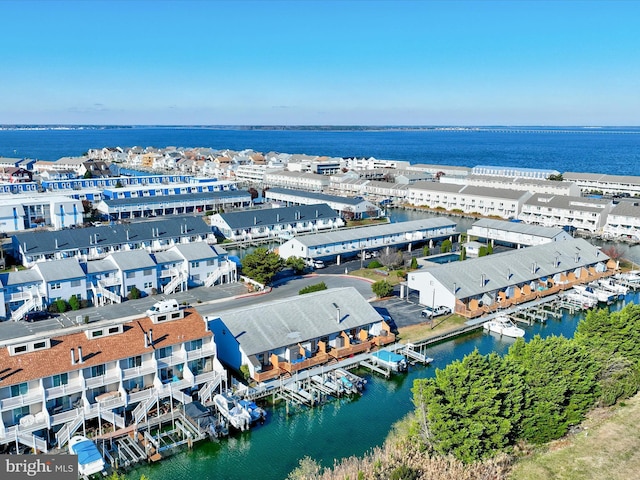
[(339, 428)]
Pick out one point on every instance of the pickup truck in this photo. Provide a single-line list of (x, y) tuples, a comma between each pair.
[(431, 312)]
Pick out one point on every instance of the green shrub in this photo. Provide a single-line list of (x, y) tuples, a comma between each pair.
[(312, 288), (374, 264), (382, 288)]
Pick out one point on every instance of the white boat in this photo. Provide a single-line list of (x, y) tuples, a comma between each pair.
[(613, 287), (237, 416), (597, 293), (90, 460), (504, 326)]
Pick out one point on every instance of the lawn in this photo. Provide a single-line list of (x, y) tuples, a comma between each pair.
[(607, 446)]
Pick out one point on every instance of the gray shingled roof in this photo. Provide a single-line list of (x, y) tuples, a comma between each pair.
[(167, 256), (627, 209), (65, 269), (502, 270), (601, 177), (278, 216), (71, 239), (101, 266), (565, 202), (196, 251), (20, 277), (518, 227), (297, 319), (133, 260), (351, 234)]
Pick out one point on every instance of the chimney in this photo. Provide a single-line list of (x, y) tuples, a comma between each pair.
[(482, 280), (73, 357), (56, 243), (127, 235), (151, 337), (80, 359), (533, 267), (338, 315), (277, 217), (255, 220)]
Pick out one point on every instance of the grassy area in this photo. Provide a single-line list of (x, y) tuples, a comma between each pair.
[(415, 333), (607, 446), (372, 274)]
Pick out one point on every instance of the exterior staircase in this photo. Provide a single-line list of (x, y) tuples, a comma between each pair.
[(32, 303), (179, 281)]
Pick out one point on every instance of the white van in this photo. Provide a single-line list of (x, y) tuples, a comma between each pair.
[(163, 307)]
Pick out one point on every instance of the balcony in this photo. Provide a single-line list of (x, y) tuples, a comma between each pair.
[(73, 386), (170, 361), (140, 371), (101, 380), (205, 351), (21, 400)]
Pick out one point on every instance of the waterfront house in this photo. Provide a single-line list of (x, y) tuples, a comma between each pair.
[(600, 183), (299, 180), (623, 222), (103, 375), (285, 336), (515, 234), (477, 286), (498, 202), (581, 213)]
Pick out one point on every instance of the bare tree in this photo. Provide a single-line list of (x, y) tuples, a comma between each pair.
[(391, 259)]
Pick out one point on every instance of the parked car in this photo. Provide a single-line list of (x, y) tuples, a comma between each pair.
[(36, 315), (430, 312)]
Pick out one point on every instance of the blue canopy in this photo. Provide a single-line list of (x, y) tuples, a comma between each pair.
[(87, 452)]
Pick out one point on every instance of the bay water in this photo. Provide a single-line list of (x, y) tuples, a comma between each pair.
[(344, 428)]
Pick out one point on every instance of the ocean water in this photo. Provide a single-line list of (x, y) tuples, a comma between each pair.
[(599, 150)]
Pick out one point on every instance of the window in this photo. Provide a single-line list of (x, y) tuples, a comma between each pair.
[(148, 284), (194, 344), (131, 274), (62, 379), (75, 283), (20, 349), (97, 370), (195, 264), (19, 412), (55, 286), (148, 273), (39, 345), (113, 330), (165, 352), (20, 389), (133, 362)]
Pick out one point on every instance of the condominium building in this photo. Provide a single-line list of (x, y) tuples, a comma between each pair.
[(109, 373)]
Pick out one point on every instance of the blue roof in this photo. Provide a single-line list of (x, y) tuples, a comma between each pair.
[(387, 356), (87, 452)]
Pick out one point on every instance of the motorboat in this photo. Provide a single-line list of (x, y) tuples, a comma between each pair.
[(90, 460), (391, 360), (228, 407), (610, 285), (599, 294), (581, 300), (258, 414), (504, 326)]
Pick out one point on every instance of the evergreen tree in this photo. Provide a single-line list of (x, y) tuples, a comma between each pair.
[(262, 265)]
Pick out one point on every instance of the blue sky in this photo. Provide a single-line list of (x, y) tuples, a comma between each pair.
[(329, 62)]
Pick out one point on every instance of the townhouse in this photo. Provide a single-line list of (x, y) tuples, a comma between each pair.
[(515, 234), (177, 204), (498, 202), (113, 278), (275, 222), (23, 211), (623, 185), (109, 374), (623, 222), (521, 172), (298, 180), (581, 213), (533, 185), (482, 285), (345, 243), (349, 208), (282, 337), (92, 243)]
